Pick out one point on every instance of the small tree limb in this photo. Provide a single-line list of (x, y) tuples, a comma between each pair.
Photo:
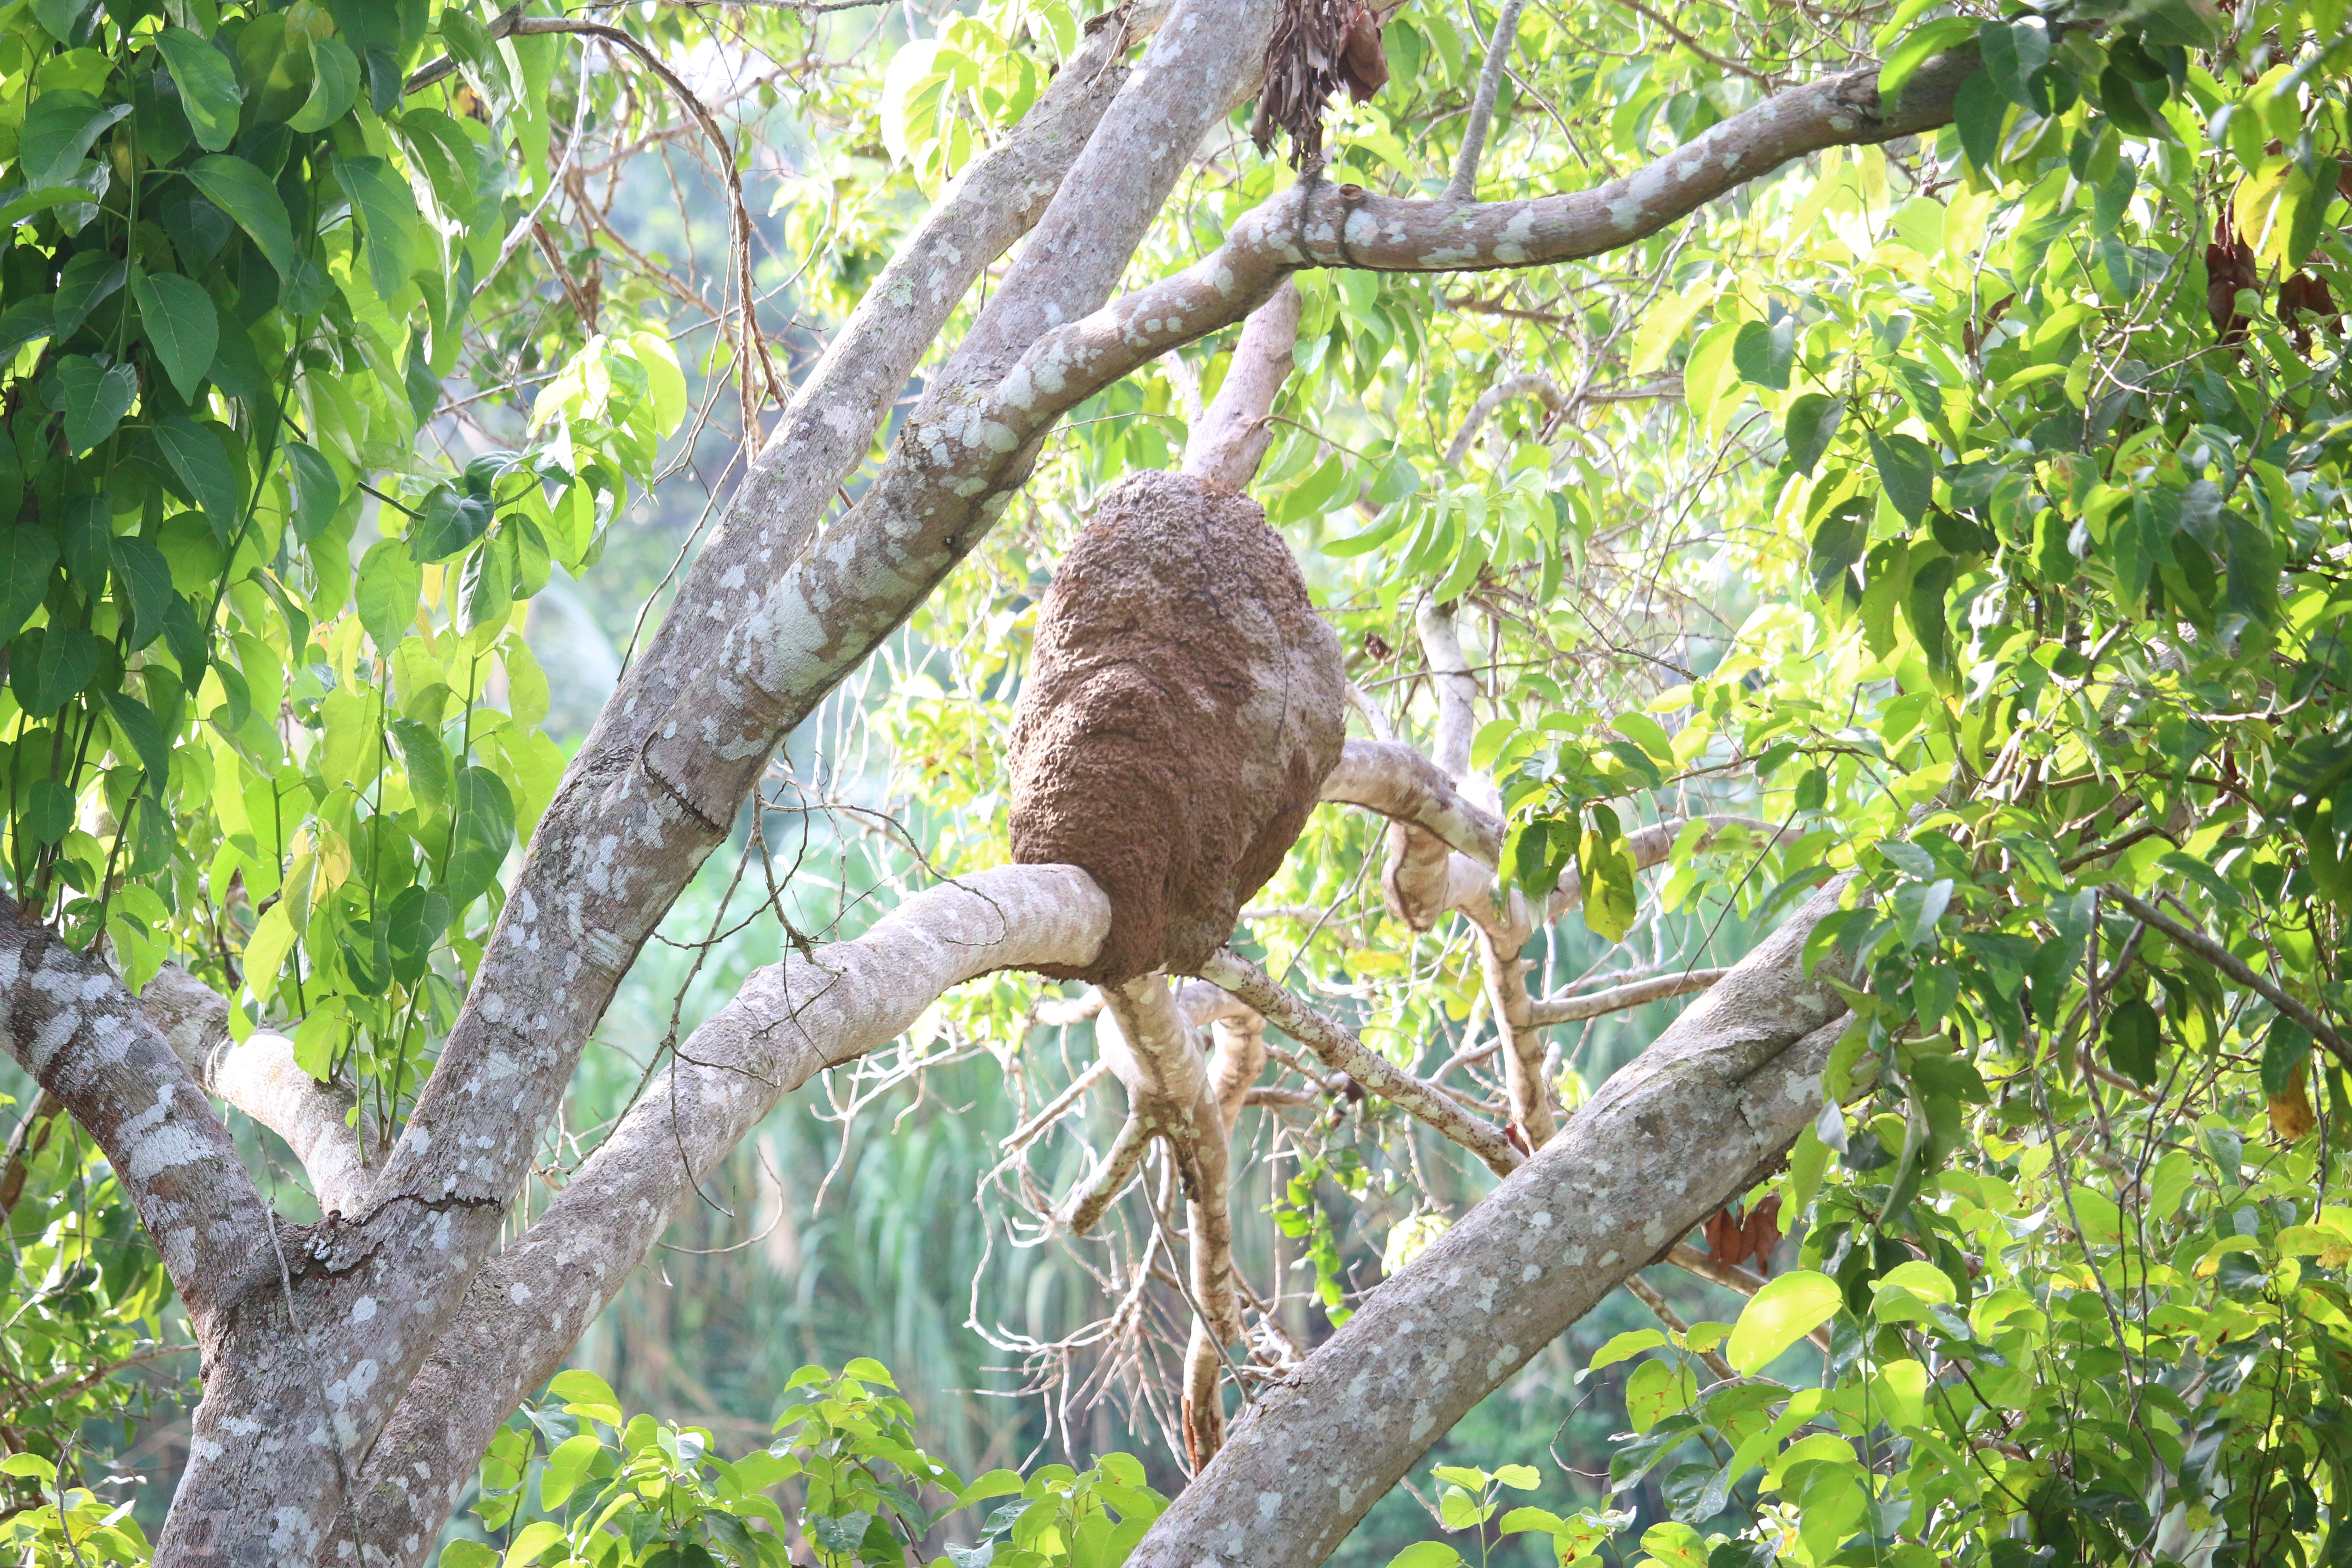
[(2229, 963), (1573, 1008), (1343, 1052)]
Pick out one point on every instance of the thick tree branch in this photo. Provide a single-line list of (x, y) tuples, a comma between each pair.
[(263, 1417), (1657, 1149), (259, 1077), (618, 843), (789, 1022)]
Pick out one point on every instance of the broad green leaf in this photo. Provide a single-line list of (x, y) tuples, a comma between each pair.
[(1655, 1390), (334, 84), (97, 396), (26, 556), (202, 465), (586, 1394), (1907, 468), (140, 727), (1788, 1309), (1426, 1554), (210, 93), (1903, 62), (531, 1542), (182, 324), (1632, 1343), (388, 218), (246, 194), (2134, 1039), (57, 134), (146, 577), (1764, 353), (1809, 427), (265, 950), (1664, 325), (1605, 867), (317, 491), (1518, 1477)]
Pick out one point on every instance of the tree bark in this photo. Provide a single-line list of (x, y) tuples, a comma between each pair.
[(790, 1021), (1659, 1147)]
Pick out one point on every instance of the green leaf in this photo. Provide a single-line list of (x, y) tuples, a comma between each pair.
[(96, 398), (265, 950), (1777, 1316), (210, 93), (2134, 1036), (1923, 610), (1605, 867), (27, 555), (182, 324), (446, 523), (532, 1543), (1426, 1554), (1518, 1477), (390, 585), (1655, 1390), (202, 463), (1980, 113), (148, 740), (567, 1466), (2286, 1045), (22, 322), (387, 217), (1907, 468), (1764, 355), (1838, 541), (1811, 424), (481, 835), (58, 133), (1916, 50), (586, 1394), (32, 1465), (334, 84), (2012, 52), (246, 194), (146, 577), (67, 21), (317, 491)]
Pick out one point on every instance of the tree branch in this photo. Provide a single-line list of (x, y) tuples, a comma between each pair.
[(790, 1021), (1343, 1052), (1653, 1152), (1230, 440), (1572, 1009), (2229, 963)]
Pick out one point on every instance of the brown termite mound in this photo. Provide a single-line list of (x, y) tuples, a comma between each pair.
[(1184, 707)]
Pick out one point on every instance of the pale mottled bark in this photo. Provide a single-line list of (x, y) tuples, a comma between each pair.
[(273, 1482), (1229, 441), (259, 1077), (1396, 781), (1657, 1149), (1570, 1009), (789, 1022), (618, 843)]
